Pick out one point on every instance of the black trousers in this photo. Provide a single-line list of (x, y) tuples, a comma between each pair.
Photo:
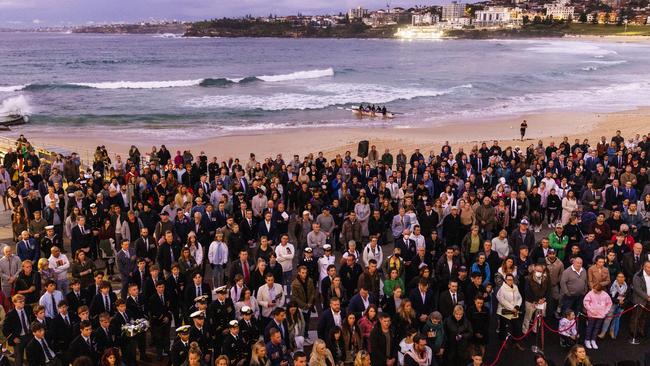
[(160, 336)]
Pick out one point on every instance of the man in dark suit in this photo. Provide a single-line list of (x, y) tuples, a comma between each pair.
[(633, 261), (103, 335), (76, 297), (407, 247), (62, 323), (267, 227), (332, 317), (357, 305), (195, 289), (423, 300), (160, 317), (93, 289), (145, 246), (139, 275), (168, 252), (80, 236), (242, 266), (104, 301), (125, 260), (248, 227), (39, 351), (126, 344), (613, 196), (83, 344), (135, 309), (175, 287), (16, 326), (449, 299)]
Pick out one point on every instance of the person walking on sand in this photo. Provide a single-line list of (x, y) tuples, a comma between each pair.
[(522, 129)]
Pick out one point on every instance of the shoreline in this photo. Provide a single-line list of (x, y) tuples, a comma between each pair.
[(545, 126)]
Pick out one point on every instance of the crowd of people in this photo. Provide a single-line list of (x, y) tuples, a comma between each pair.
[(377, 260)]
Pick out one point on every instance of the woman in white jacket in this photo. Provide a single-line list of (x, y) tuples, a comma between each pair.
[(509, 300)]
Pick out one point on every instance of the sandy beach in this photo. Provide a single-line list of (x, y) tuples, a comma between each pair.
[(551, 126)]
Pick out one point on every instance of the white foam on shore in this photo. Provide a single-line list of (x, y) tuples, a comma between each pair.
[(298, 75), (15, 105), (11, 88), (141, 84), (317, 97)]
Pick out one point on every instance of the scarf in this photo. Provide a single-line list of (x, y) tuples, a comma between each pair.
[(422, 360)]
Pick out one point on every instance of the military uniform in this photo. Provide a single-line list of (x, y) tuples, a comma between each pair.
[(202, 337), (249, 333), (178, 353), (235, 348), (220, 314)]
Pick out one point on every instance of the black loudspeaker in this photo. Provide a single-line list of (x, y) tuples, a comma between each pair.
[(362, 151)]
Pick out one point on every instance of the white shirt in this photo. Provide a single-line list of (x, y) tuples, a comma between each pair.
[(284, 255), (337, 318), (61, 270), (218, 253)]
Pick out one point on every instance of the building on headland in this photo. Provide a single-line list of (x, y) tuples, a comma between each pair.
[(424, 19), (358, 13), (559, 11), (453, 11), (493, 16)]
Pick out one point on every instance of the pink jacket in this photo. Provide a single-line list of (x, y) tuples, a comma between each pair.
[(597, 304)]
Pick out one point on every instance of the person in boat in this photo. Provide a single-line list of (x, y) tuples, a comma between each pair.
[(383, 110), (361, 109), (372, 109)]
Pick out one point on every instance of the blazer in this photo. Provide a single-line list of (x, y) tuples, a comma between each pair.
[(64, 333), (269, 233), (164, 255), (79, 348), (190, 292), (422, 307), (357, 307), (12, 327), (125, 264), (35, 353), (326, 323), (158, 311), (74, 301), (136, 310), (264, 298), (446, 304), (97, 306), (238, 268), (79, 239), (144, 251), (104, 339)]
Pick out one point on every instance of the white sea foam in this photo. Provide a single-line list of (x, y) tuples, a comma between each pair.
[(317, 97), (11, 88), (140, 84), (18, 104), (570, 48), (124, 84), (298, 75), (612, 97)]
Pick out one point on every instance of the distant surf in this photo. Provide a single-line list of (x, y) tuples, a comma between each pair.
[(207, 82)]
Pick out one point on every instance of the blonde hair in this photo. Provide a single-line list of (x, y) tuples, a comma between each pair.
[(42, 263)]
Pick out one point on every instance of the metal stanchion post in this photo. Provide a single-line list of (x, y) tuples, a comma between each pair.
[(634, 340)]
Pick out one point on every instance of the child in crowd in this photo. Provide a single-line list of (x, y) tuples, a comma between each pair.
[(568, 329)]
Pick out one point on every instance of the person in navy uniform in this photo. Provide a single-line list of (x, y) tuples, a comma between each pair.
[(234, 346), (200, 334), (180, 347), (248, 327), (221, 312), (277, 350)]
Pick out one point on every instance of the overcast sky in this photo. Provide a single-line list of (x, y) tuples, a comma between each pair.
[(53, 12)]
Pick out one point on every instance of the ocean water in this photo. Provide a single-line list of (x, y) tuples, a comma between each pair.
[(201, 87)]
